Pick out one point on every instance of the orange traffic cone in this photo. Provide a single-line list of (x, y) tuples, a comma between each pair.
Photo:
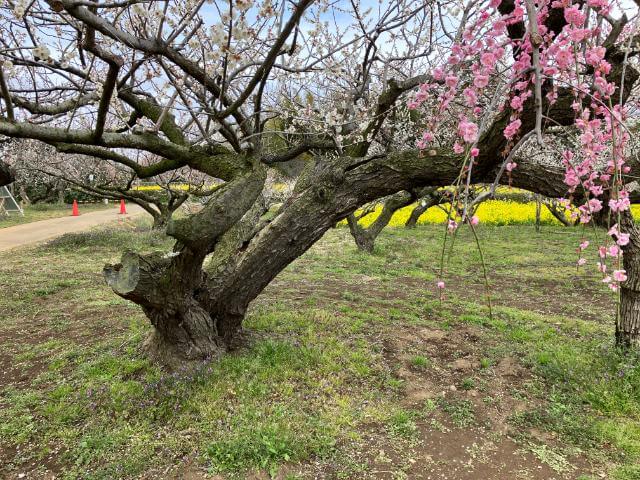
[(74, 209), (123, 209)]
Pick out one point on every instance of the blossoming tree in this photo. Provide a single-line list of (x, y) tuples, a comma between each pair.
[(202, 85)]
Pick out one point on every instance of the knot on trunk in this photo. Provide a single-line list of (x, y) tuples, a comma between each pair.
[(324, 193)]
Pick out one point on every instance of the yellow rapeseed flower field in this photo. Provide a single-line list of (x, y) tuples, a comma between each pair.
[(157, 188), (492, 212), (185, 187)]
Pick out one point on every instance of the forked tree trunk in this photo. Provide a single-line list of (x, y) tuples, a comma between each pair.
[(365, 237), (190, 322), (183, 329), (628, 318)]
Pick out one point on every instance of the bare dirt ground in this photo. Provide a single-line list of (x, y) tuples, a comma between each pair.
[(35, 232)]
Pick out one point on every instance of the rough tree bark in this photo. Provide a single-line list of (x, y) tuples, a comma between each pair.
[(171, 288), (628, 317)]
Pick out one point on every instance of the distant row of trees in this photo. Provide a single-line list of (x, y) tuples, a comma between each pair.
[(43, 175)]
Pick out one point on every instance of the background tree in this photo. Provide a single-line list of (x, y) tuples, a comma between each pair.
[(45, 175), (424, 199)]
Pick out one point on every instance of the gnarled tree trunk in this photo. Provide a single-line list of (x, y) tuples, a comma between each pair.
[(189, 322), (183, 330), (197, 312)]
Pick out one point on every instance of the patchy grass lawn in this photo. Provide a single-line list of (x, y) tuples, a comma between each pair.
[(45, 211), (356, 371)]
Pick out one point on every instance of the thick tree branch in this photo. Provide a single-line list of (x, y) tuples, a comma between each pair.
[(4, 91), (115, 63), (216, 161), (65, 106), (296, 151)]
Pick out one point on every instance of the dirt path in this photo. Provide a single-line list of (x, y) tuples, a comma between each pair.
[(28, 233)]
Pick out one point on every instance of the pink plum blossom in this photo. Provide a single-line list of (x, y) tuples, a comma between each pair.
[(512, 128), (574, 16), (468, 130), (619, 275), (623, 239)]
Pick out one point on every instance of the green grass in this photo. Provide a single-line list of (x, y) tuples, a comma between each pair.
[(316, 379), (461, 412), (420, 362), (45, 211)]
